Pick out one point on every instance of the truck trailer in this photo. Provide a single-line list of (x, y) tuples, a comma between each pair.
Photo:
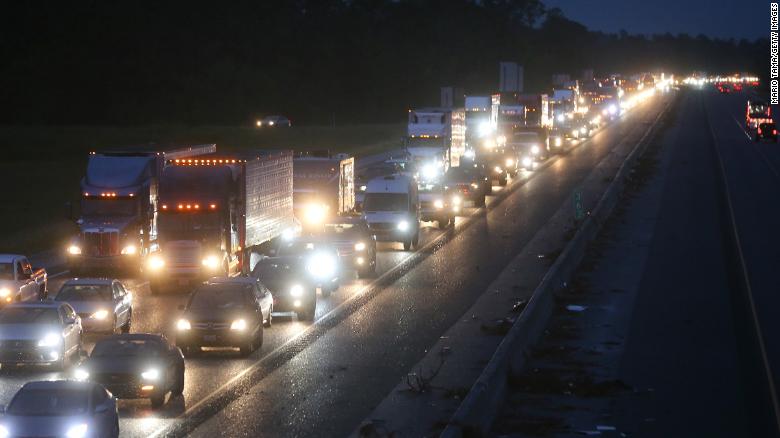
[(216, 211), (322, 187), (119, 207)]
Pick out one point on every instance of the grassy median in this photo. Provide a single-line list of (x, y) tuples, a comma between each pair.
[(42, 166)]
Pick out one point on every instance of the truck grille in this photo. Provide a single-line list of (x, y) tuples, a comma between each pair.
[(183, 255), (101, 243), (381, 226), (211, 326)]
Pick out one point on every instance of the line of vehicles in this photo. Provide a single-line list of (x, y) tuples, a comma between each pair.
[(251, 236)]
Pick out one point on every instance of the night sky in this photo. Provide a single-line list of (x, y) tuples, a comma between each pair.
[(714, 18)]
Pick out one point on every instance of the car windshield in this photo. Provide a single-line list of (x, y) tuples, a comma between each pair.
[(108, 207), (48, 402), (127, 348), (29, 315), (386, 202), (85, 292), (341, 231), (6, 271), (221, 297)]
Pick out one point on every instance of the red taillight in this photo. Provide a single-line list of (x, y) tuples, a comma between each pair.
[(759, 130), (774, 132)]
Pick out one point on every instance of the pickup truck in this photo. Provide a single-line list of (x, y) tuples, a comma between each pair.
[(19, 281)]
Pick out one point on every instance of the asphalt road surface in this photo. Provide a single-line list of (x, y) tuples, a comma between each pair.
[(322, 379)]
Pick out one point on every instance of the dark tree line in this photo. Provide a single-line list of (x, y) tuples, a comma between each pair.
[(145, 62)]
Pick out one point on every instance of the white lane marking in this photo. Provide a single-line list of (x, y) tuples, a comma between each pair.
[(467, 220), (743, 266)]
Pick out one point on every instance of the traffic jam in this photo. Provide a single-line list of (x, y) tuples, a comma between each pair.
[(242, 244)]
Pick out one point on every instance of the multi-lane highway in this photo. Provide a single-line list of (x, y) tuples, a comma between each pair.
[(322, 379)]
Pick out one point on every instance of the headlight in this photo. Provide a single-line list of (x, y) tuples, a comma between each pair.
[(583, 130), (612, 109), (574, 132), (501, 139), (560, 117), (74, 250), (527, 162), (498, 169), (155, 262), (403, 226), (456, 200), (315, 213), (296, 290), (321, 265), (4, 292), (438, 204), (183, 325), (77, 431), (50, 340), (362, 188), (509, 162), (100, 314), (360, 246), (129, 250), (469, 153), (80, 374), (239, 325), (429, 172), (270, 123), (484, 129), (151, 374), (535, 149), (474, 185), (558, 141), (4, 432), (211, 262)]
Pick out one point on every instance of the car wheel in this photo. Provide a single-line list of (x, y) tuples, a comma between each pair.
[(416, 239), (502, 180), (178, 386), (247, 349), (443, 224), (115, 431), (269, 321), (126, 325), (326, 292), (480, 201), (157, 400)]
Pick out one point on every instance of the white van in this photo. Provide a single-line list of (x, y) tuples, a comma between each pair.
[(392, 209)]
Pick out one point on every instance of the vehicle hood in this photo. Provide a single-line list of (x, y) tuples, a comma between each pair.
[(386, 216), (121, 364), (91, 306), (37, 425), (24, 332), (98, 224)]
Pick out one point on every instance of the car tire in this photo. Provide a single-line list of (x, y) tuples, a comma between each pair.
[(502, 181), (178, 385), (480, 201), (157, 400), (127, 325), (247, 349), (269, 321), (408, 245), (326, 292), (416, 240), (115, 430)]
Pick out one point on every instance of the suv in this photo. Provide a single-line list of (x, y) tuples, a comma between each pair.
[(766, 131), (225, 312)]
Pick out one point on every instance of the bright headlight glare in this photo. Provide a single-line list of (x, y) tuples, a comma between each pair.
[(403, 225), (156, 262), (100, 314), (583, 130), (81, 374), (296, 290), (315, 213), (527, 162), (535, 149), (498, 169), (4, 292), (362, 188), (50, 340), (474, 185), (501, 139), (74, 250), (321, 265), (239, 325), (438, 204), (509, 162), (183, 325), (129, 250), (360, 246), (4, 431), (456, 200), (77, 431), (558, 141), (211, 262), (151, 374)]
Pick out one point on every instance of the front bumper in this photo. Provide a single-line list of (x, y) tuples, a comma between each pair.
[(27, 352), (288, 303), (128, 386), (442, 215), (118, 262), (196, 338), (92, 325)]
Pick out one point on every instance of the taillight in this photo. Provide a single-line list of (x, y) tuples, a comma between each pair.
[(774, 132), (759, 130)]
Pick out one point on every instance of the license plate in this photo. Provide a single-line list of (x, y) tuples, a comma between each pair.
[(210, 338)]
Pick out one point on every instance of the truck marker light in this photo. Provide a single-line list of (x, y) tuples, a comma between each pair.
[(164, 207), (189, 206), (197, 206), (180, 206), (213, 206)]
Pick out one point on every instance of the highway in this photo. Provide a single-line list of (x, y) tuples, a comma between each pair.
[(323, 379)]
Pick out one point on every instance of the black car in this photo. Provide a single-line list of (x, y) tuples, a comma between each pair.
[(353, 241), (290, 283), (138, 365), (469, 182), (320, 260), (225, 312), (766, 131)]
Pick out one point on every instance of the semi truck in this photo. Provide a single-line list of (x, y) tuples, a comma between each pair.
[(436, 139), (322, 187), (216, 211), (477, 116), (119, 207)]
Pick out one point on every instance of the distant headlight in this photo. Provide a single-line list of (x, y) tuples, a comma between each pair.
[(238, 325), (151, 374), (527, 162), (129, 250), (438, 204), (535, 149), (498, 169), (100, 314), (74, 250), (583, 130), (574, 132), (211, 262), (270, 123), (296, 290), (403, 226), (362, 188), (612, 109), (183, 325), (509, 162), (50, 340), (80, 374), (155, 262), (77, 431), (5, 292), (360, 246)]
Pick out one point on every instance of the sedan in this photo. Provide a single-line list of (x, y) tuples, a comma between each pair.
[(320, 258), (45, 332), (62, 408), (104, 305), (136, 366), (290, 284), (225, 312)]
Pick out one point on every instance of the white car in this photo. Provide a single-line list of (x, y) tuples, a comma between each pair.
[(19, 281)]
